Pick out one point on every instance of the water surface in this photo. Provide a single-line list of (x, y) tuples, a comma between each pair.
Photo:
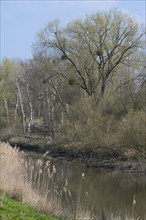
[(105, 193)]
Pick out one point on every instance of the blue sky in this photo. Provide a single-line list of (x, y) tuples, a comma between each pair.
[(22, 19)]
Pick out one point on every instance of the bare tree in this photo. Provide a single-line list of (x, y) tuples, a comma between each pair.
[(91, 50)]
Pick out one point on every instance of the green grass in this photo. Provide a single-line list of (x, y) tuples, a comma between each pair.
[(14, 210)]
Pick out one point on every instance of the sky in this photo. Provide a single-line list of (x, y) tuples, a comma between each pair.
[(22, 19)]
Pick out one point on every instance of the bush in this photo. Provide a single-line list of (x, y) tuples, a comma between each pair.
[(132, 131), (89, 124)]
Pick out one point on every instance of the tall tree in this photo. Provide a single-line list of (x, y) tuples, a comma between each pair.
[(89, 51)]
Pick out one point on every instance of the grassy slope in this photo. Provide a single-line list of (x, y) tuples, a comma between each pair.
[(14, 210)]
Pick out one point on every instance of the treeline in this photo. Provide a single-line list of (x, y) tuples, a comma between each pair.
[(86, 82)]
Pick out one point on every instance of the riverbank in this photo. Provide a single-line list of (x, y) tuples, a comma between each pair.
[(90, 154), (13, 209)]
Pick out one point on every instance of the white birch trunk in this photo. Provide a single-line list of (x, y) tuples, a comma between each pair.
[(21, 105), (16, 106), (31, 109)]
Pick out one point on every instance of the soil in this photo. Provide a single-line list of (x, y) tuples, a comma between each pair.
[(91, 155)]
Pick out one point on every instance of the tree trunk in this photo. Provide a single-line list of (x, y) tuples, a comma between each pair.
[(31, 109), (21, 105)]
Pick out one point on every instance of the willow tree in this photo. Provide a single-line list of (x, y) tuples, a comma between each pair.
[(90, 51)]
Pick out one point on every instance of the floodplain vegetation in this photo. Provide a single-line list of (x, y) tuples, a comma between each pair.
[(35, 185), (85, 84)]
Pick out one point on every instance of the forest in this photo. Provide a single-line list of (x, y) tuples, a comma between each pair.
[(85, 83)]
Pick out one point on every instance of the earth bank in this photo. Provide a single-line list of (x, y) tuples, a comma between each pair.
[(90, 154)]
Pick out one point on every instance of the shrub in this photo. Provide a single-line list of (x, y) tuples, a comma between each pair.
[(132, 131)]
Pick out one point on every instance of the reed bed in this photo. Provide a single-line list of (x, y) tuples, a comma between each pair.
[(34, 183)]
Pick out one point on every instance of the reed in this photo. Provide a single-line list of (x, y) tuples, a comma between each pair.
[(34, 183)]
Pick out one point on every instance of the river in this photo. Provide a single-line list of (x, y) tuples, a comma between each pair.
[(104, 193)]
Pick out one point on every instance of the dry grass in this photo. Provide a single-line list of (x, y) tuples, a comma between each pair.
[(13, 176), (38, 188)]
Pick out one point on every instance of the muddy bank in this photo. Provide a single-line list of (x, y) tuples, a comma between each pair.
[(91, 154)]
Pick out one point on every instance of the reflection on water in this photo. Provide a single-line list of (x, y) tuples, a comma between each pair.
[(106, 193), (109, 192)]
